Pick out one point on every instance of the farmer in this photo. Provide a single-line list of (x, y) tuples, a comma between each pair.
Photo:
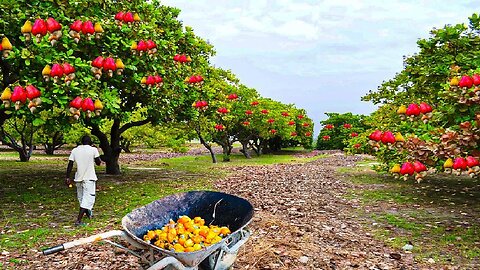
[(85, 156)]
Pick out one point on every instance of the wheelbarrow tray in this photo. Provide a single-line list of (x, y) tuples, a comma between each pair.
[(215, 208)]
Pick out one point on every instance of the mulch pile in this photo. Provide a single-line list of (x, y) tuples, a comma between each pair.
[(303, 221)]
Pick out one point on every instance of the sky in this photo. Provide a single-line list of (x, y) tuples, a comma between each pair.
[(321, 55)]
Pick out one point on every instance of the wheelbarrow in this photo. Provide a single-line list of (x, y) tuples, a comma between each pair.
[(214, 207)]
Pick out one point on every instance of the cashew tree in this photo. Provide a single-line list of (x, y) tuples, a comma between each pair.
[(96, 61)]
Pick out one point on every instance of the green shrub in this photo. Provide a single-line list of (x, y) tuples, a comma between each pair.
[(339, 128)]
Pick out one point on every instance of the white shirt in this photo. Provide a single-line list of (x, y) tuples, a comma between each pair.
[(84, 156)]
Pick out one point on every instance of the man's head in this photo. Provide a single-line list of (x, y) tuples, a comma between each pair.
[(86, 140)]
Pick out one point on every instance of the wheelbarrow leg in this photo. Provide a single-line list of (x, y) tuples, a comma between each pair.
[(224, 257), (171, 262)]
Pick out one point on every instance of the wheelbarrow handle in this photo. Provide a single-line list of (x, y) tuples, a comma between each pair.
[(91, 239), (54, 249)]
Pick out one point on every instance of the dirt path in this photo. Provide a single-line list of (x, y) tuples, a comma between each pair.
[(302, 221)]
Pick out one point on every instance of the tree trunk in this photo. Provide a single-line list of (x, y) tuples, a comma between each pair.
[(226, 153), (49, 149), (57, 142), (112, 150), (245, 149), (207, 145), (113, 153), (25, 148), (259, 146), (275, 144), (263, 147), (125, 145), (255, 147), (226, 147), (111, 164), (212, 154), (24, 155)]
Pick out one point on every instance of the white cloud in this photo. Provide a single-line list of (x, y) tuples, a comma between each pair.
[(304, 40), (298, 29)]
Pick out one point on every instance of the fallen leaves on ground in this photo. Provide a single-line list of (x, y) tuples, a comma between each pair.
[(302, 221)]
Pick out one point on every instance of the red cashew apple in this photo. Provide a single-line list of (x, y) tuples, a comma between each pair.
[(407, 169), (413, 110), (128, 17), (32, 92), (39, 29), (19, 96), (388, 138), (376, 136), (88, 29), (219, 127), (88, 106), (476, 79), (465, 81), (119, 16), (76, 103)]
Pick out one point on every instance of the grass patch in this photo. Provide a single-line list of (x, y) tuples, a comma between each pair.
[(37, 207), (398, 222), (439, 216), (28, 237), (37, 210), (203, 164), (431, 237), (368, 196)]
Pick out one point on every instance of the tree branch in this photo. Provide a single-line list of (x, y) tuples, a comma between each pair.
[(134, 124), (219, 142), (57, 140), (22, 135), (30, 143), (115, 127), (11, 143), (3, 117), (99, 134), (199, 133)]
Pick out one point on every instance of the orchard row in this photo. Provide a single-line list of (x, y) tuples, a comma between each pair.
[(122, 66), (428, 119)]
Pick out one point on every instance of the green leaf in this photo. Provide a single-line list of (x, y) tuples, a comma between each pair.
[(38, 122), (25, 53)]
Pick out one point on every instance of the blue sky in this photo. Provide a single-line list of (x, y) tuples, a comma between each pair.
[(320, 55)]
